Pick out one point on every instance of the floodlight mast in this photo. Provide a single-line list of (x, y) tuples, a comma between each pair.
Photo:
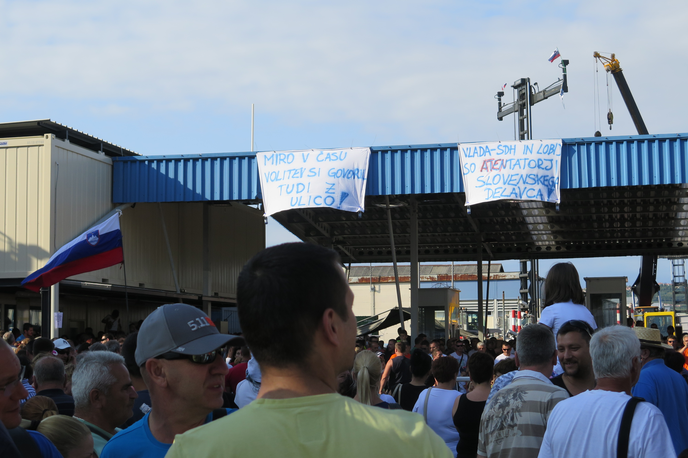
[(524, 98)]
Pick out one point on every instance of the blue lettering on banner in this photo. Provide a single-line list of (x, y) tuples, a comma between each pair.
[(314, 178), (3, 143), (525, 170)]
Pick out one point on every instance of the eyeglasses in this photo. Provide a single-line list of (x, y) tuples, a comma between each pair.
[(205, 358), (8, 389)]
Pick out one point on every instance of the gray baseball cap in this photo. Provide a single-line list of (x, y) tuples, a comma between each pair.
[(178, 328)]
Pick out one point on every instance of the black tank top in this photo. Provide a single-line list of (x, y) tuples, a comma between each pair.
[(401, 372), (467, 422)]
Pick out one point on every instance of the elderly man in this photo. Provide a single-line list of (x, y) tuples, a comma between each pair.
[(49, 377), (514, 422), (590, 425), (179, 352), (103, 395), (300, 289), (663, 387), (12, 437)]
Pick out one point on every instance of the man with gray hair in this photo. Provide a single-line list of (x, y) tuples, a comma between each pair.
[(49, 376), (595, 422), (662, 387), (513, 423), (103, 394)]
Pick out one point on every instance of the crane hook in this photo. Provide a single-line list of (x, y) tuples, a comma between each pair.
[(610, 119)]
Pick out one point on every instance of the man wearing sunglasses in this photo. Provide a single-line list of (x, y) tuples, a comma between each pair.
[(179, 352), (300, 290)]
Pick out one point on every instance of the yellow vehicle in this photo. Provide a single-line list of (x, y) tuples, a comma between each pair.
[(661, 319)]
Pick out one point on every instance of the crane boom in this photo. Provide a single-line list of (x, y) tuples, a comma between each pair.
[(645, 285), (612, 66)]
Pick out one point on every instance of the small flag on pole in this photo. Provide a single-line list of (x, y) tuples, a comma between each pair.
[(504, 87), (97, 248), (555, 55)]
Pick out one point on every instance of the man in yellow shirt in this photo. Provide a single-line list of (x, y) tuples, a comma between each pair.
[(300, 290)]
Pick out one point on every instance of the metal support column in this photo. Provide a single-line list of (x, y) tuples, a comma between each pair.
[(394, 262), (54, 308), (45, 311), (481, 328), (415, 268), (207, 277)]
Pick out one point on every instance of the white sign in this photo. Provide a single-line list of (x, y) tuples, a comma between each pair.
[(334, 178), (523, 170), (58, 320)]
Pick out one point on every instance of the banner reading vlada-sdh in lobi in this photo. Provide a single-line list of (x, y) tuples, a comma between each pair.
[(333, 178), (518, 170)]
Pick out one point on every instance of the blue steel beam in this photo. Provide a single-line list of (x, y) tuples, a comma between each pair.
[(592, 162)]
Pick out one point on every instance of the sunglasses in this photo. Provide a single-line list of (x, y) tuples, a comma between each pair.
[(581, 326), (205, 358)]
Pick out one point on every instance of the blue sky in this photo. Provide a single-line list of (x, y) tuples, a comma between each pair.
[(174, 77)]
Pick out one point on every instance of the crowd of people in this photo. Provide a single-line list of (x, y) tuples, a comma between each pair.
[(175, 386)]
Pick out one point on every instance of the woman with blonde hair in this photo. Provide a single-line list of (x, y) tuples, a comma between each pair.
[(367, 372), (38, 408), (71, 437)]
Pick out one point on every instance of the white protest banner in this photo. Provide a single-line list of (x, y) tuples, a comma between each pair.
[(519, 170), (334, 178)]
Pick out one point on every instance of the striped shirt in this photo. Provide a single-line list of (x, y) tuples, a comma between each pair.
[(30, 389), (513, 423)]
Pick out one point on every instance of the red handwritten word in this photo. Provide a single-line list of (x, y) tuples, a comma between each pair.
[(493, 165)]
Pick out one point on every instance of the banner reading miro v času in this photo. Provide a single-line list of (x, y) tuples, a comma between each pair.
[(334, 178)]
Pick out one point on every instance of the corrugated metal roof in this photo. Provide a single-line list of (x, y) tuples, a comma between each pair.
[(620, 196), (402, 170), (46, 126), (186, 178)]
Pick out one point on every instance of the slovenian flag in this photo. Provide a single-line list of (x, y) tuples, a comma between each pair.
[(555, 55), (97, 248)]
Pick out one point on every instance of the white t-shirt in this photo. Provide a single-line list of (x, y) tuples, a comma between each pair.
[(501, 357), (557, 314), (440, 419), (588, 425), (462, 359)]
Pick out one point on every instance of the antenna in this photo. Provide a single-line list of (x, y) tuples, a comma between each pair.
[(525, 96)]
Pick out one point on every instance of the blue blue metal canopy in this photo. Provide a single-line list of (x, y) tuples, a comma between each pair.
[(620, 196), (401, 170)]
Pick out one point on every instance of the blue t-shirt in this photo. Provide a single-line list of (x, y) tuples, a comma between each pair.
[(666, 389), (137, 441), (46, 447)]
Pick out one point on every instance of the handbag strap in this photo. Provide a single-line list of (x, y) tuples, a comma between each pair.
[(425, 406), (625, 430), (397, 392)]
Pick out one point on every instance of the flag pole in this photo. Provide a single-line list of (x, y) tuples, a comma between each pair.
[(126, 291)]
